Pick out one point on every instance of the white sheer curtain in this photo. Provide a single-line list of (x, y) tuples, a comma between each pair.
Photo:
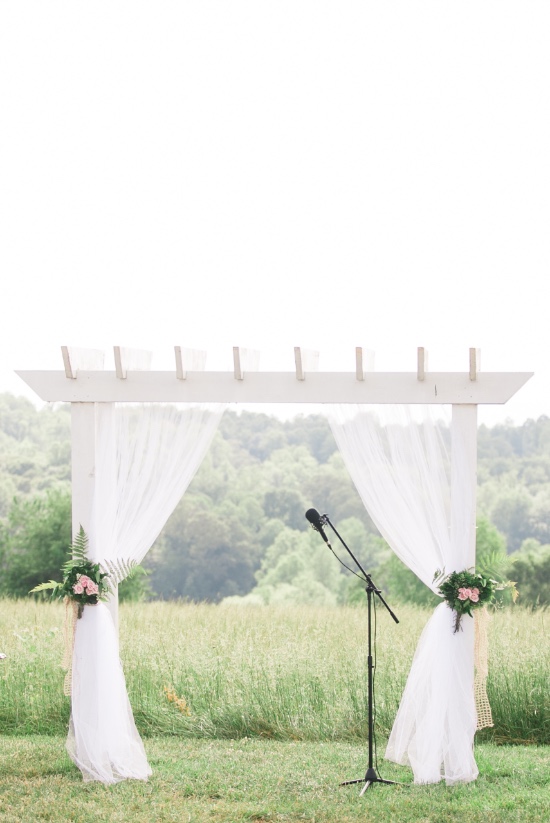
[(404, 476), (146, 456)]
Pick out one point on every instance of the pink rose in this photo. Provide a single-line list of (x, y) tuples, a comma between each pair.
[(464, 594), (92, 588), (78, 588), (474, 595), (83, 580)]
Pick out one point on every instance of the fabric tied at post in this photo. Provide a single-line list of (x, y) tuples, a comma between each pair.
[(422, 500), (436, 720), (146, 456), (103, 740)]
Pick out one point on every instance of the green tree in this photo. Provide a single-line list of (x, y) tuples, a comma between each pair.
[(298, 568), (530, 569), (35, 539), (203, 554), (286, 505), (512, 516), (490, 547)]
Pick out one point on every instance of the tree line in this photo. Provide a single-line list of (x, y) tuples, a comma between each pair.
[(240, 530)]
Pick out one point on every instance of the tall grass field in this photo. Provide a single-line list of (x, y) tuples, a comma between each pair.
[(293, 674)]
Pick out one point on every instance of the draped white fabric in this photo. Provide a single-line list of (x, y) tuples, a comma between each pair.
[(103, 740), (403, 474), (146, 456)]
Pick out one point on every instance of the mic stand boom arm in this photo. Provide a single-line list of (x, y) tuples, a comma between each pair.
[(371, 776), (368, 578)]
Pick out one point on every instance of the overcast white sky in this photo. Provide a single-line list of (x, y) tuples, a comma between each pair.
[(272, 174)]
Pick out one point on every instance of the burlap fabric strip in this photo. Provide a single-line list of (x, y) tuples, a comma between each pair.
[(71, 616), (481, 669)]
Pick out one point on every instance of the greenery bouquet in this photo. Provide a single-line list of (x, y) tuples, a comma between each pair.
[(467, 590), (84, 583)]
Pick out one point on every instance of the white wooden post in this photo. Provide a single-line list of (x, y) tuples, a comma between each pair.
[(83, 467), (83, 436), (464, 473)]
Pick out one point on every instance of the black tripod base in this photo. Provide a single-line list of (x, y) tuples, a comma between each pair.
[(369, 780)]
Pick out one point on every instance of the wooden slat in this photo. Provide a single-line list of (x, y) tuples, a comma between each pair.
[(130, 360), (306, 361), (364, 362), (78, 359), (188, 360), (244, 360), (422, 363), (69, 371), (119, 369), (300, 374), (475, 363), (237, 367)]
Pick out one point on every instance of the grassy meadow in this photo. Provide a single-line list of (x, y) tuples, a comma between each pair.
[(258, 714), (299, 674)]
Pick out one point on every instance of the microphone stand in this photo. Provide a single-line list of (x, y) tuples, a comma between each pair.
[(371, 777)]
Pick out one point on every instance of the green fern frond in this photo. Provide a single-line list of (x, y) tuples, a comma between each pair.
[(51, 584), (78, 551), (80, 545), (493, 564), (119, 570)]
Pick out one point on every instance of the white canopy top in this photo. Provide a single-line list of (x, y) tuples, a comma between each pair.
[(188, 382)]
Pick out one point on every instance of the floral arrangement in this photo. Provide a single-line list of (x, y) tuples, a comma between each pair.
[(468, 590), (84, 583)]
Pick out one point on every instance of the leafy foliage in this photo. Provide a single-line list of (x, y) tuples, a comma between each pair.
[(83, 582), (530, 568), (34, 540), (464, 591), (119, 570)]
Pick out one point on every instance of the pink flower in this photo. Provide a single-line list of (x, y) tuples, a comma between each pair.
[(78, 588), (83, 580), (92, 588), (474, 595), (464, 594)]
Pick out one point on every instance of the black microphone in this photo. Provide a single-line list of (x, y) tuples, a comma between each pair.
[(315, 519)]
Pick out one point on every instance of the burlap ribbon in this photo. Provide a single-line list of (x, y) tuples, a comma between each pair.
[(481, 669), (71, 616)]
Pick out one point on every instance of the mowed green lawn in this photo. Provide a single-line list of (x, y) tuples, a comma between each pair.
[(271, 718), (229, 781)]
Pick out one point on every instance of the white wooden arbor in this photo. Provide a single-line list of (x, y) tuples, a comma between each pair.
[(133, 381), (91, 391)]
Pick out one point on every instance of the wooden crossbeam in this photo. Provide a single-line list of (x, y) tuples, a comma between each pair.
[(190, 383), (276, 387)]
